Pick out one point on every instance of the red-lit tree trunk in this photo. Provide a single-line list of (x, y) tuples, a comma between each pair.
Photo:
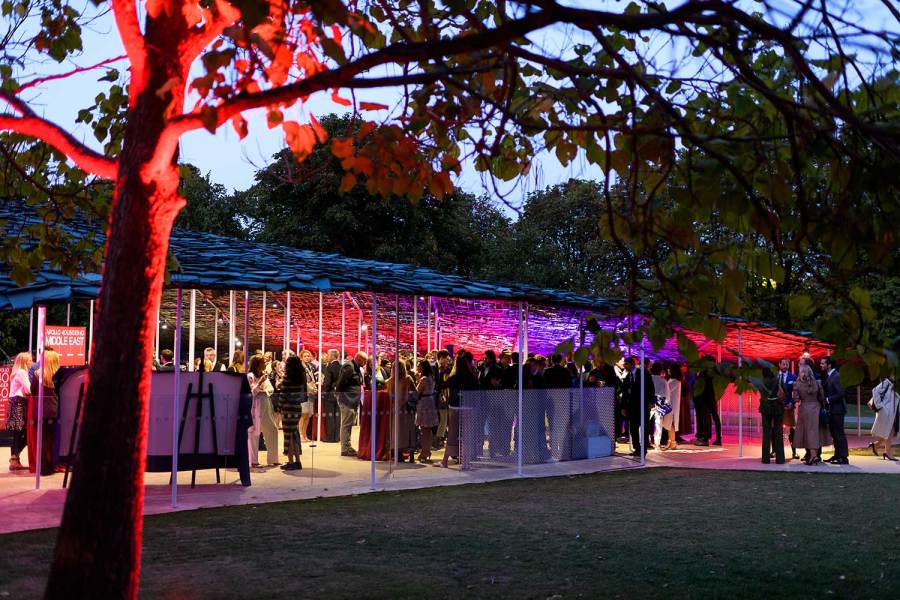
[(98, 550)]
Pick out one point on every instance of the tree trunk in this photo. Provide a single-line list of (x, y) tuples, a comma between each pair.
[(98, 550)]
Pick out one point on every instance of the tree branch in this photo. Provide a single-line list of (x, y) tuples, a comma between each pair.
[(129, 27), (42, 80), (37, 127)]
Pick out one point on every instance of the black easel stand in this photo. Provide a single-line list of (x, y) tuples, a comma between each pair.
[(73, 443), (199, 396)]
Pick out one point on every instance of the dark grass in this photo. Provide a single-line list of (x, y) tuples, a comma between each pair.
[(656, 533)]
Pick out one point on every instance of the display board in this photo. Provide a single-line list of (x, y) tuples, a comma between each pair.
[(68, 342), (225, 402)]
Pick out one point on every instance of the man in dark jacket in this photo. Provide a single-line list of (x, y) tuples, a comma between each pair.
[(631, 396), (331, 372), (836, 403), (349, 394)]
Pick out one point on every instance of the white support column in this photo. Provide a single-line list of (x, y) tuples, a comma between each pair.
[(158, 348), (68, 314), (740, 399), (176, 393), (263, 338), (643, 406), (245, 344), (394, 373), (343, 324), (428, 347), (415, 334), (525, 330), (31, 331), (41, 324), (287, 324), (232, 329), (90, 332), (519, 417), (192, 333), (215, 333), (359, 330), (374, 425), (319, 383)]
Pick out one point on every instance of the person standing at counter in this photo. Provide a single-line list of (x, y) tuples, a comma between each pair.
[(349, 394), (19, 398), (49, 369)]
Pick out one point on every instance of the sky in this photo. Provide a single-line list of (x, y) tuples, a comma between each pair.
[(232, 162)]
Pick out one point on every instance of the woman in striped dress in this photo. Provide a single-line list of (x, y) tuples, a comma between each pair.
[(291, 396)]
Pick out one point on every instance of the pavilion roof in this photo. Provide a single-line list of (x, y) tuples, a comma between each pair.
[(475, 314)]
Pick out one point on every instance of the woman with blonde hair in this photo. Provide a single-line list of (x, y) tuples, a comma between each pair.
[(809, 433), (886, 404), (237, 362), (19, 397), (49, 369)]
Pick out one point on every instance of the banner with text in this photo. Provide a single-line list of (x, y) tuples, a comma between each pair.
[(69, 342)]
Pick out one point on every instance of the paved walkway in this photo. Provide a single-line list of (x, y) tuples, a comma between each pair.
[(325, 473)]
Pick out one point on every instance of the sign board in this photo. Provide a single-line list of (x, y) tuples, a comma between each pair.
[(5, 376), (69, 342)]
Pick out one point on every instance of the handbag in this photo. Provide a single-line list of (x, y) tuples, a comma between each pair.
[(662, 407)]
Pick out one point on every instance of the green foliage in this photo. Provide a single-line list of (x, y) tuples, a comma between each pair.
[(303, 206)]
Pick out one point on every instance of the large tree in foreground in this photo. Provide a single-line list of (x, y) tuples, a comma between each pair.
[(786, 120)]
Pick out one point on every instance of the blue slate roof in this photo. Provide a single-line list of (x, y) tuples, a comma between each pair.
[(208, 261)]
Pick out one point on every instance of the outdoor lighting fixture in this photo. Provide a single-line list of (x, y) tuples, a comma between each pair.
[(364, 327), (164, 326)]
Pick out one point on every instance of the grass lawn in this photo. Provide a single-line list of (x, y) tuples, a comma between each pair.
[(655, 533)]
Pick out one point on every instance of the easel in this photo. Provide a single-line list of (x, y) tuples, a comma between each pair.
[(73, 437), (199, 396)]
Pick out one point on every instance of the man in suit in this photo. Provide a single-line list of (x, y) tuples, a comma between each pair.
[(209, 355), (836, 403), (349, 395), (331, 372), (786, 381), (166, 363), (631, 396)]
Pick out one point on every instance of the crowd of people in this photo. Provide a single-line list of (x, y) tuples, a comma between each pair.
[(806, 407)]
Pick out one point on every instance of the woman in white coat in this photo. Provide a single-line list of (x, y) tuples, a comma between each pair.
[(884, 402), (262, 411), (673, 398), (661, 421)]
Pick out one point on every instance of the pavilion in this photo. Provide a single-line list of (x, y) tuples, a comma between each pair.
[(243, 294)]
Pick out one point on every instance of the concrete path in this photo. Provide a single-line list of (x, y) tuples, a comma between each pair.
[(327, 474)]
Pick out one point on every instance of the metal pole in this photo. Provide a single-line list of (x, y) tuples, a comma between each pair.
[(343, 323), (90, 331), (215, 333), (359, 327), (428, 347), (158, 335), (395, 372), (374, 386), (858, 411), (740, 399), (415, 334), (263, 339), (319, 385), (232, 330), (176, 392), (519, 417), (192, 333), (39, 414), (68, 314), (287, 324), (643, 407), (245, 345), (31, 330)]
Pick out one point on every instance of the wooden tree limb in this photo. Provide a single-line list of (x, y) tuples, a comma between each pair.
[(125, 12), (30, 124)]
